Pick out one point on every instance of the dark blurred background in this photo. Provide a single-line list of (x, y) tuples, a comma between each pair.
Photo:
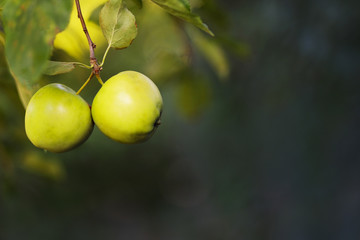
[(270, 151)]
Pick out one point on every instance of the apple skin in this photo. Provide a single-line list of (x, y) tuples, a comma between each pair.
[(128, 107), (56, 119)]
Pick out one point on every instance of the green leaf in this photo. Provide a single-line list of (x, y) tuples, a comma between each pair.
[(30, 27), (138, 3), (181, 9), (2, 2), (212, 52), (54, 68), (2, 39), (118, 24), (25, 91)]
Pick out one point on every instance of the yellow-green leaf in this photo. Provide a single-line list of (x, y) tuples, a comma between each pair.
[(73, 40), (118, 24), (2, 39)]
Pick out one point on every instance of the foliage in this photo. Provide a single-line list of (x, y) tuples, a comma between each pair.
[(271, 151), (28, 53), (118, 24), (30, 27), (72, 39), (39, 42)]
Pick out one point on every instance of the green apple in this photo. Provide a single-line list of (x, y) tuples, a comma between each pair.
[(57, 119), (128, 107)]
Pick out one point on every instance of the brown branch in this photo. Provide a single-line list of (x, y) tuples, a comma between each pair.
[(92, 46)]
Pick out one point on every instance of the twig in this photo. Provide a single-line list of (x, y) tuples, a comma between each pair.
[(92, 46)]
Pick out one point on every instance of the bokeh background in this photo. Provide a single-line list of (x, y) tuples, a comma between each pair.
[(259, 136)]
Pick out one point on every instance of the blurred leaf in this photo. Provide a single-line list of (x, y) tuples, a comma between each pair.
[(193, 95), (212, 52), (73, 40), (138, 3), (44, 166), (165, 66), (30, 27), (240, 48), (162, 59), (181, 9), (4, 72), (155, 23), (118, 24), (2, 3), (2, 39), (214, 11), (25, 91), (54, 68)]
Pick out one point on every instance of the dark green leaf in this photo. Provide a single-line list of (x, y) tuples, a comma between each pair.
[(30, 27), (118, 24), (181, 9)]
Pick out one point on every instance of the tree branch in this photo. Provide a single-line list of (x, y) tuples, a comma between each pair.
[(92, 46)]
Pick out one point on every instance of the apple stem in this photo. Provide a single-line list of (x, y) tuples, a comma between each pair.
[(93, 61), (84, 85), (99, 79)]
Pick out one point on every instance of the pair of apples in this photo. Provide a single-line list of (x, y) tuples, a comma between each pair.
[(127, 109)]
